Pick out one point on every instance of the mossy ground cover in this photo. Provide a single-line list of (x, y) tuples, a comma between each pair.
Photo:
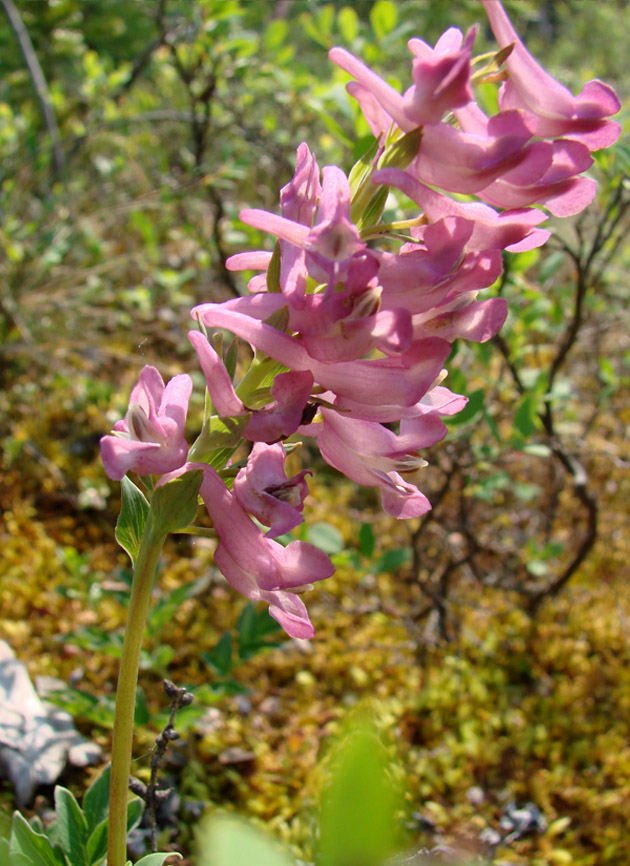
[(520, 709)]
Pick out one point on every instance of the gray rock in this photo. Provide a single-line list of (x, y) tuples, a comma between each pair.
[(37, 739)]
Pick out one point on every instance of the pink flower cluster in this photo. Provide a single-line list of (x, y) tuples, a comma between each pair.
[(358, 331)]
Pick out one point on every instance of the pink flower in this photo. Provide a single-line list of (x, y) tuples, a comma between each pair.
[(401, 380), (256, 566), (466, 162), (514, 230), (263, 489), (437, 267), (279, 419), (370, 454), (323, 250), (441, 78), (150, 440), (557, 111)]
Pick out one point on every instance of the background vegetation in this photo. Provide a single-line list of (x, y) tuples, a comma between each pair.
[(494, 633)]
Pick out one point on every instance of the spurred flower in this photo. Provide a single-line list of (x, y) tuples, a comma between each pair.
[(264, 490), (287, 399), (441, 77), (370, 454), (256, 566), (514, 230), (530, 88), (150, 439), (401, 379)]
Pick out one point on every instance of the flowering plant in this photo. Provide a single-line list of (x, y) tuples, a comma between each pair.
[(351, 319)]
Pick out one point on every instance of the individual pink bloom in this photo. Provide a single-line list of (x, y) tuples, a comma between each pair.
[(437, 401), (264, 490), (374, 456), (150, 439), (325, 247), (463, 317), (298, 202), (513, 230), (423, 274), (299, 198), (256, 566), (558, 112), (403, 379), (549, 173), (281, 418), (466, 162), (560, 189), (441, 78)]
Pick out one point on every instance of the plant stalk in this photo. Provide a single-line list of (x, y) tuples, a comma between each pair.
[(143, 578)]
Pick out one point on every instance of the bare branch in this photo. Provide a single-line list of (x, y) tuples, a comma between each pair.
[(38, 79)]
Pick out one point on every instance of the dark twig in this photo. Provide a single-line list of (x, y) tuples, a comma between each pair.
[(152, 794), (37, 77)]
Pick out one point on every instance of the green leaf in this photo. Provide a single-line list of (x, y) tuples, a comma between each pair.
[(550, 265), (72, 826), (133, 515), (526, 416), (97, 843), (254, 627), (174, 505), (96, 800), (326, 537), (156, 859), (220, 658), (383, 17), (224, 840), (393, 559), (366, 832), (348, 23), (135, 808), (33, 847), (366, 540), (470, 410)]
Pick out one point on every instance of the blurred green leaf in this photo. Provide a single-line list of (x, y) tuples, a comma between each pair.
[(358, 808), (224, 840), (325, 536), (71, 826), (393, 559), (383, 17), (366, 540)]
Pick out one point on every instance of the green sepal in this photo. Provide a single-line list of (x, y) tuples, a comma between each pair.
[(72, 827), (402, 151), (174, 505), (359, 179), (273, 270), (374, 210), (133, 515)]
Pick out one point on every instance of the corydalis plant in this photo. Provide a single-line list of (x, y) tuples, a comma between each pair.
[(351, 319)]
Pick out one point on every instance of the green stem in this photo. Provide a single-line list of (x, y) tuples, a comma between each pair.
[(143, 578)]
